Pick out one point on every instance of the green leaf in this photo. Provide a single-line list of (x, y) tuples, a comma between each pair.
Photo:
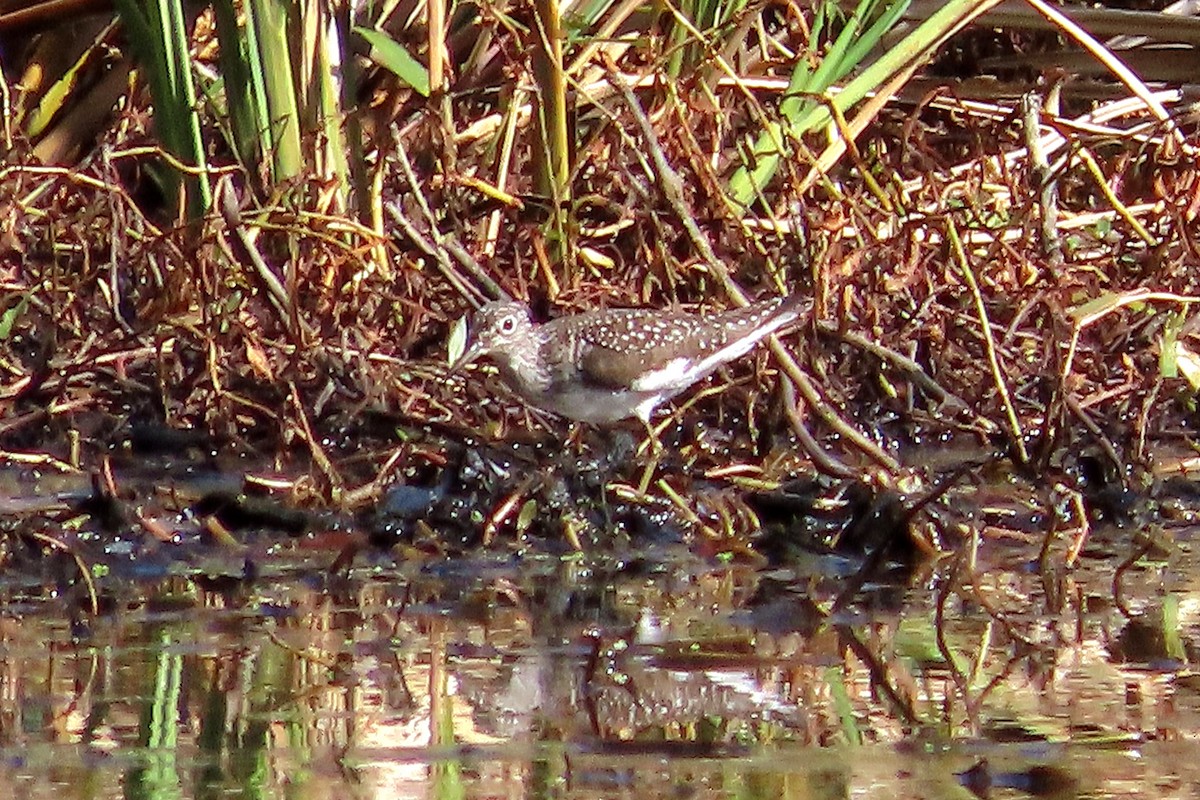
[(1172, 354), (457, 343), (527, 514), (9, 318), (392, 56)]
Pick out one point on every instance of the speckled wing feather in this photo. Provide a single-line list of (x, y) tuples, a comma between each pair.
[(636, 342), (617, 355)]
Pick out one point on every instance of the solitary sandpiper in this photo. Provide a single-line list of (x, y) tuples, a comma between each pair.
[(604, 366)]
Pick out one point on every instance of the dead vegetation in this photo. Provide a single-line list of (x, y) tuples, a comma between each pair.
[(1012, 280)]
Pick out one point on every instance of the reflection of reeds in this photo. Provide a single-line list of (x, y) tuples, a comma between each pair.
[(420, 684)]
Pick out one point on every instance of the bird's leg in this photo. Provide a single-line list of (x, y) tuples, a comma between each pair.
[(652, 442), (651, 446)]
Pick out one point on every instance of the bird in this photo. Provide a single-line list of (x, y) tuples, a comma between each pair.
[(605, 366)]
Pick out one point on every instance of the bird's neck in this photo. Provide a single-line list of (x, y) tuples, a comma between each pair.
[(523, 367)]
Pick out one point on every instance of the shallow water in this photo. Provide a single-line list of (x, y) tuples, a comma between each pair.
[(648, 672)]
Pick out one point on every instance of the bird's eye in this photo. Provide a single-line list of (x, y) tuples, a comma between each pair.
[(508, 325)]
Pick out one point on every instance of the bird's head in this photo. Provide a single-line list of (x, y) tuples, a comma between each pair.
[(496, 330)]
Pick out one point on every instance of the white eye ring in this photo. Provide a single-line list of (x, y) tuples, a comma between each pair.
[(508, 325)]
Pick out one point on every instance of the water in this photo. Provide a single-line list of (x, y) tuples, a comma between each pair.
[(217, 670)]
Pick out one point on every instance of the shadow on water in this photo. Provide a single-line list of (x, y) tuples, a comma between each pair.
[(218, 666)]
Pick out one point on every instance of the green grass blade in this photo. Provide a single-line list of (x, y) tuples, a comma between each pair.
[(395, 58), (272, 25), (244, 100), (804, 117), (159, 38)]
